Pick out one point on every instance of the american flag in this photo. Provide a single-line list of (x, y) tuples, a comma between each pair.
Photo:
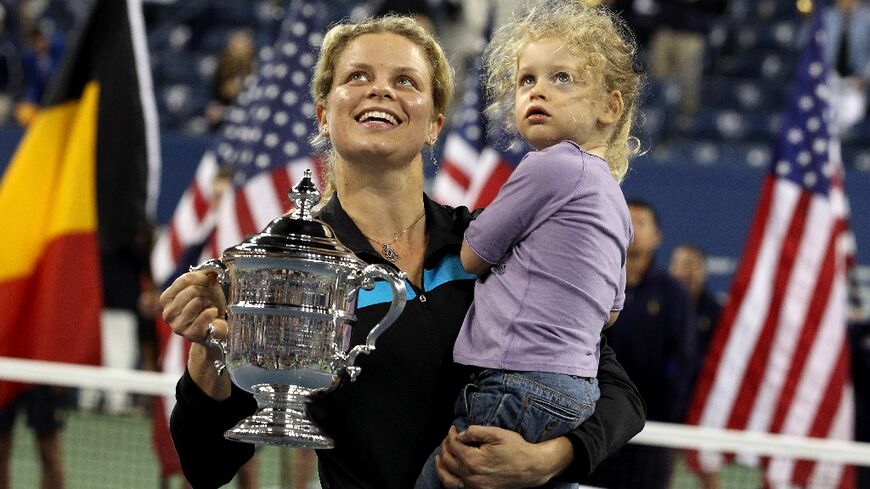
[(779, 361), (265, 142), (473, 168)]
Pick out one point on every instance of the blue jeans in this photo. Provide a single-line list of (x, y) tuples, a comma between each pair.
[(537, 405)]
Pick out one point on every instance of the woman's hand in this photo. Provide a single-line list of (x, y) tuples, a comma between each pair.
[(191, 304), (494, 458)]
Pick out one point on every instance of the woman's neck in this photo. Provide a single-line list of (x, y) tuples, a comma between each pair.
[(386, 204), (381, 201)]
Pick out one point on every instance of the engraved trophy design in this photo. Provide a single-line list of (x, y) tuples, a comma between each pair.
[(291, 293)]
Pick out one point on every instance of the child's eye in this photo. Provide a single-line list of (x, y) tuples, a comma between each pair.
[(527, 80), (562, 77), (358, 76)]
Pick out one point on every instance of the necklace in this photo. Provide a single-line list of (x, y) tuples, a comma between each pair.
[(388, 252)]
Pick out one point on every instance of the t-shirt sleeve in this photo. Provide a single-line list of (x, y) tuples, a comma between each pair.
[(535, 191), (619, 299)]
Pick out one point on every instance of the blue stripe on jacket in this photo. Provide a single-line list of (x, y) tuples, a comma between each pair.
[(447, 270)]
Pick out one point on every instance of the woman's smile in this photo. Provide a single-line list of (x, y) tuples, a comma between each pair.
[(378, 119)]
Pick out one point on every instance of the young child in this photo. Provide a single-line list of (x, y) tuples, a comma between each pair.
[(555, 238)]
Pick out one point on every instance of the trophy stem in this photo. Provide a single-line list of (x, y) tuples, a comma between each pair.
[(281, 419)]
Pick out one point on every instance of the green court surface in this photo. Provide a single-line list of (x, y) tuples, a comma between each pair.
[(112, 452)]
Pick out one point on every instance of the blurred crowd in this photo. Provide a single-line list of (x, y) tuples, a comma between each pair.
[(716, 68)]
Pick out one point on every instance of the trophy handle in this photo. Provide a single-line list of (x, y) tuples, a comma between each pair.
[(210, 340), (396, 281), (218, 267)]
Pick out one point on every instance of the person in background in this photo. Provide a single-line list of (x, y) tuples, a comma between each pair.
[(688, 265), (655, 335), (847, 23), (41, 58), (235, 63), (46, 408), (381, 87), (123, 266), (678, 46)]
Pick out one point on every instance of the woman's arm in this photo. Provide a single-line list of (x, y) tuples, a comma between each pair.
[(197, 425), (494, 457), (207, 404), (619, 415)]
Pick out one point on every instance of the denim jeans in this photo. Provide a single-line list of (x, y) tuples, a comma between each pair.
[(537, 405)]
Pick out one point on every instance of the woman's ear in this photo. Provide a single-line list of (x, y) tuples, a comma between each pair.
[(613, 108), (435, 129), (321, 120)]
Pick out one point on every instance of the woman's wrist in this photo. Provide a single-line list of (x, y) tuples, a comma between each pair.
[(553, 457), (200, 365)]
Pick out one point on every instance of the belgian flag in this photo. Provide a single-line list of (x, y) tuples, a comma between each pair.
[(77, 184)]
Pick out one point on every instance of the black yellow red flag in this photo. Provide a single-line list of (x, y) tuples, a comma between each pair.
[(77, 183)]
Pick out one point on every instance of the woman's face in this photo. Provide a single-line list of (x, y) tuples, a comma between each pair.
[(380, 106)]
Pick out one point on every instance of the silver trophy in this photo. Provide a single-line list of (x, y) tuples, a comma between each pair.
[(291, 293)]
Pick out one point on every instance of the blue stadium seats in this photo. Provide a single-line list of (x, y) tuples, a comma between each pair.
[(178, 104), (739, 93), (732, 125)]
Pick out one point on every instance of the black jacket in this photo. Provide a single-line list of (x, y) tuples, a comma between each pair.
[(387, 423), (655, 333)]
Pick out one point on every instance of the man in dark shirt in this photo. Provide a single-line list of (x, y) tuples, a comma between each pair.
[(655, 337), (688, 265)]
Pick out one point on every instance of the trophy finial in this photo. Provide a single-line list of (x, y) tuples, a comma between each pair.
[(305, 195)]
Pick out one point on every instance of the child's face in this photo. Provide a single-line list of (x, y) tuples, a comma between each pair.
[(556, 99)]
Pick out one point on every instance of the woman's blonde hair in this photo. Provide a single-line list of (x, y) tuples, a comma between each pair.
[(340, 35), (609, 49)]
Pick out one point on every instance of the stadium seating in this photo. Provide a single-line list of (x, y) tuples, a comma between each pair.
[(752, 55)]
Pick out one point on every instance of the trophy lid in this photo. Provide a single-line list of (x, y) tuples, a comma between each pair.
[(297, 234)]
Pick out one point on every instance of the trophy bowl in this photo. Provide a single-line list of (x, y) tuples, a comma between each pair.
[(291, 293)]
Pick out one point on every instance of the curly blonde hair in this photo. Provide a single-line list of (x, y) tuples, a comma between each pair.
[(337, 39), (609, 50)]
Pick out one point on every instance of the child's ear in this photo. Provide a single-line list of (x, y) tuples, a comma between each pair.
[(613, 108)]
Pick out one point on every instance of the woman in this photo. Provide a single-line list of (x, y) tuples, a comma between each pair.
[(381, 88)]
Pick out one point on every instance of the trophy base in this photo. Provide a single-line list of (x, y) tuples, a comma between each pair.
[(281, 420)]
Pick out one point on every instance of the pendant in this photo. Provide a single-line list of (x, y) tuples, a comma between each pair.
[(389, 253)]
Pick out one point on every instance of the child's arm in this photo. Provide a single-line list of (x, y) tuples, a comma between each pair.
[(471, 262)]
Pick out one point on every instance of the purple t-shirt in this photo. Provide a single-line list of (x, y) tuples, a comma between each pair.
[(557, 234)]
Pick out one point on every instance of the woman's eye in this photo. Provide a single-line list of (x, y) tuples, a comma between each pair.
[(527, 80), (406, 81), (358, 76), (562, 77)]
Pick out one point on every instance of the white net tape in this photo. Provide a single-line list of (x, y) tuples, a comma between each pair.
[(105, 432)]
